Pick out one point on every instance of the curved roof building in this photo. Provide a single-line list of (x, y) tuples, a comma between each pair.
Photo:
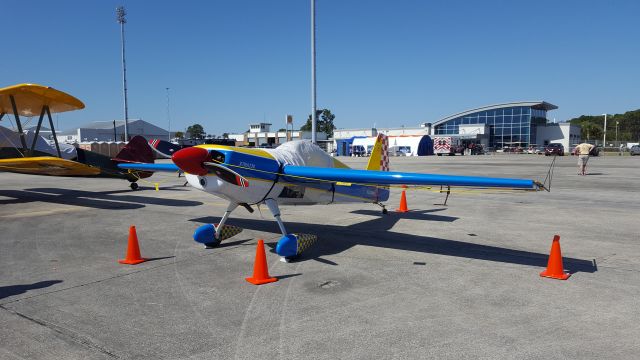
[(509, 124)]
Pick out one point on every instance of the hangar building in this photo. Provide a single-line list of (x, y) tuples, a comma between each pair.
[(111, 131)]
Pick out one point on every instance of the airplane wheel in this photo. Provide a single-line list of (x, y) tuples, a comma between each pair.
[(385, 211), (134, 186)]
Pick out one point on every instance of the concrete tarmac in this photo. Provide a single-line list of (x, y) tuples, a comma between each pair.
[(457, 281)]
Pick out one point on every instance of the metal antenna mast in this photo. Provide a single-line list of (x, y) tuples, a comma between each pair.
[(168, 114), (313, 71), (120, 13)]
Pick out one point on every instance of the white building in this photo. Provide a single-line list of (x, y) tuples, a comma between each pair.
[(111, 131), (260, 134), (421, 130), (564, 133)]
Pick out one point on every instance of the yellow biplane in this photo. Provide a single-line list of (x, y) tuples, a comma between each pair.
[(32, 154)]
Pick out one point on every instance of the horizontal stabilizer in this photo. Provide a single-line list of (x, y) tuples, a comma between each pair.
[(149, 167), (313, 174)]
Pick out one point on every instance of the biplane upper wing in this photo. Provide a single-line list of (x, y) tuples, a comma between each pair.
[(305, 174), (30, 98)]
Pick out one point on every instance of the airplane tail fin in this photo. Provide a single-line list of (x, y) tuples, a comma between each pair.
[(379, 159), (137, 150)]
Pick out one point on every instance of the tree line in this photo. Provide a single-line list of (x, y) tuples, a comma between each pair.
[(628, 126)]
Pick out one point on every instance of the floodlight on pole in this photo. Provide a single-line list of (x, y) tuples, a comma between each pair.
[(120, 13), (313, 71)]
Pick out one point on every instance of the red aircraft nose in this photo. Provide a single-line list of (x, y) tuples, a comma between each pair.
[(190, 160)]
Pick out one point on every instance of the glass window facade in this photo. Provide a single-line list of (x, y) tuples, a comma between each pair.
[(508, 126)]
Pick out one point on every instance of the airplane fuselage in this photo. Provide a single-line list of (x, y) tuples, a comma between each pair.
[(263, 172)]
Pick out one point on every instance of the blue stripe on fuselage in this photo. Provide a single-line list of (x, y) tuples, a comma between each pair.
[(250, 166)]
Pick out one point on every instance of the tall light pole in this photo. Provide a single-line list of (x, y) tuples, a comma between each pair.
[(120, 13), (313, 71), (168, 114), (604, 133)]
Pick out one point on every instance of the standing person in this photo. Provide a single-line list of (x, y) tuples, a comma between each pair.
[(583, 151)]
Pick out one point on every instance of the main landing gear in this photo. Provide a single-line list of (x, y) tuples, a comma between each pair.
[(212, 235), (134, 186), (289, 246)]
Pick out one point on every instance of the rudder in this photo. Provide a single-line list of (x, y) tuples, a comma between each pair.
[(379, 159), (137, 150)]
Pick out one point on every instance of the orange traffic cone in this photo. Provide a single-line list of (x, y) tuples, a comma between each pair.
[(133, 250), (403, 201), (260, 271), (555, 270)]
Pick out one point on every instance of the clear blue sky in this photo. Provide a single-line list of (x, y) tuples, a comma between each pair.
[(392, 63)]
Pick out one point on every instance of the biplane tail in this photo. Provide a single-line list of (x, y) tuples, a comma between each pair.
[(379, 159), (137, 150)]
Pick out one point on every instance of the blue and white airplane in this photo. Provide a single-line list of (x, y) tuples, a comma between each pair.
[(300, 173)]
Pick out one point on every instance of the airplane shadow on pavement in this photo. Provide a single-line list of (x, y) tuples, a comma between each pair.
[(11, 290), (334, 239), (109, 200)]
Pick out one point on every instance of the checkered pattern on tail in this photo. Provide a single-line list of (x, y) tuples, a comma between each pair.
[(384, 157)]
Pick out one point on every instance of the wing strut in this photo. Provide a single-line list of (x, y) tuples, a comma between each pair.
[(53, 131), (15, 114), (35, 137)]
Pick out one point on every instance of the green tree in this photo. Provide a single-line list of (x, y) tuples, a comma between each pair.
[(628, 126), (591, 131), (323, 124), (196, 131), (179, 134)]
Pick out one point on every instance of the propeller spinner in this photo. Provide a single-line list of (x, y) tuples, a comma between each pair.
[(199, 161)]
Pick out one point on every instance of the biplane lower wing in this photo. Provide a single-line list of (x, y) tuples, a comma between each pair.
[(47, 165)]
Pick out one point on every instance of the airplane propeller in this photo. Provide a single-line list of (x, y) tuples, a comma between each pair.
[(227, 175), (199, 161)]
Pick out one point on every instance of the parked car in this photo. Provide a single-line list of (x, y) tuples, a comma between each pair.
[(554, 149), (539, 150), (635, 150)]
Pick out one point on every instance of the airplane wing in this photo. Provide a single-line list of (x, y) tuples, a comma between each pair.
[(47, 165), (305, 174), (149, 167)]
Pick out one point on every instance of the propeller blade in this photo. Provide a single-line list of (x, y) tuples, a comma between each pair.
[(226, 174)]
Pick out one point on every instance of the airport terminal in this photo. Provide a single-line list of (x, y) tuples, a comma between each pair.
[(509, 125)]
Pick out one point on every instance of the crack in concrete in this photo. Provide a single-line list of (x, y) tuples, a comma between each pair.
[(113, 277), (65, 333)]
